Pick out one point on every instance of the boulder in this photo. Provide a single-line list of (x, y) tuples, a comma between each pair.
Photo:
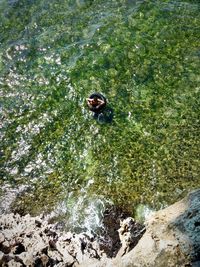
[(172, 239), (31, 241)]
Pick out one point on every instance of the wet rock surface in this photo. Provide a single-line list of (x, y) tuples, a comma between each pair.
[(33, 241), (171, 237), (114, 229)]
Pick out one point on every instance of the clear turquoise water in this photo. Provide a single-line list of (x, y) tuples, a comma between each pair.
[(144, 56)]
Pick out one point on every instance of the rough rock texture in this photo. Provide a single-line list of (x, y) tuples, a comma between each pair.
[(172, 239), (110, 239), (129, 235), (31, 241)]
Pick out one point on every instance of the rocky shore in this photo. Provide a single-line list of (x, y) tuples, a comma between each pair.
[(171, 237)]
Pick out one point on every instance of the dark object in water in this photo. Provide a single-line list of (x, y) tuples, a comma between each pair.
[(96, 102), (104, 116)]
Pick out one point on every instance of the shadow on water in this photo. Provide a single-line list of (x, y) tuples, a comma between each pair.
[(105, 116)]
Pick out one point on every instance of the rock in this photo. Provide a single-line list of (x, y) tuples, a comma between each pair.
[(43, 259), (18, 248), (109, 239), (172, 239), (129, 234), (5, 247), (13, 263), (55, 255), (29, 241), (4, 259), (1, 256), (26, 258), (68, 256), (2, 238)]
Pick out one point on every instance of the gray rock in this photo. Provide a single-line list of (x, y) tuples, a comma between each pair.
[(172, 239), (33, 242), (13, 263), (2, 238), (1, 256), (129, 235), (26, 257)]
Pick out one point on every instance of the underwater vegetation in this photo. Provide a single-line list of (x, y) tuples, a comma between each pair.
[(144, 57)]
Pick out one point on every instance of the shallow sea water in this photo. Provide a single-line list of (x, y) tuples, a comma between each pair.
[(144, 56)]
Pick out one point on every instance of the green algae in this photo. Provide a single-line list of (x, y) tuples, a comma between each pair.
[(143, 56)]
